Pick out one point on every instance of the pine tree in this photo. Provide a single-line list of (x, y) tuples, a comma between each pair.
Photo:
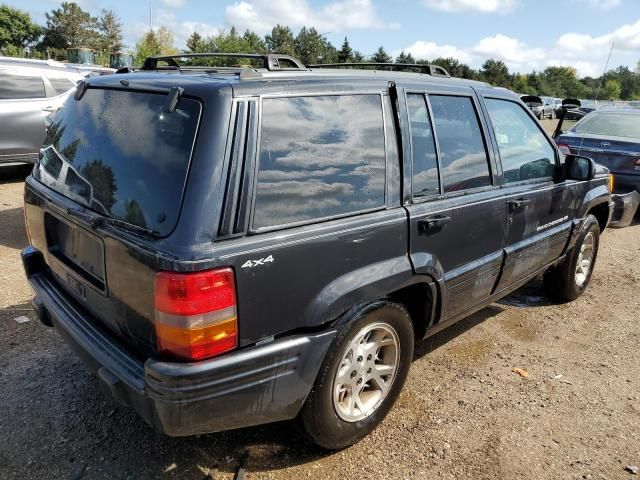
[(346, 53), (195, 43), (381, 56)]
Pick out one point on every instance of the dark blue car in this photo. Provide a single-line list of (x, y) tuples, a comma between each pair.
[(611, 137)]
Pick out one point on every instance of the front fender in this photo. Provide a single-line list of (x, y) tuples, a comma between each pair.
[(594, 197)]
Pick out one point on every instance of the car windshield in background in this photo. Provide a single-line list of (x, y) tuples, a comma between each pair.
[(609, 124), (120, 154)]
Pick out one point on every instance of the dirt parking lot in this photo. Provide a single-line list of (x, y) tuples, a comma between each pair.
[(463, 414)]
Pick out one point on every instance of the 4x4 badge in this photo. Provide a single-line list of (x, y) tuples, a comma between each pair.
[(258, 262)]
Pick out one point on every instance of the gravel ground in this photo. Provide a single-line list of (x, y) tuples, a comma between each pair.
[(463, 413)]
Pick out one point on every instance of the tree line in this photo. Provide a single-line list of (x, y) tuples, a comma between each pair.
[(70, 26)]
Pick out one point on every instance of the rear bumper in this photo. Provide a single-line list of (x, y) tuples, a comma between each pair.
[(252, 386), (625, 208), (19, 158)]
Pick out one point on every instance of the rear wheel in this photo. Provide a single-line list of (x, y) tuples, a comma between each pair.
[(361, 376), (570, 279)]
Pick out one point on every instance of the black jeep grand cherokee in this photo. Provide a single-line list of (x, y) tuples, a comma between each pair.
[(234, 247)]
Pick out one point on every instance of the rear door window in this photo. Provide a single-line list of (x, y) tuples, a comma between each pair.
[(16, 85), (463, 156), (525, 152), (425, 165), (320, 157)]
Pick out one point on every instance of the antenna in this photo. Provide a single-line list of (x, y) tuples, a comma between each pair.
[(606, 65), (150, 15)]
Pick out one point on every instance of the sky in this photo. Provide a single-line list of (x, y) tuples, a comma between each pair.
[(526, 34)]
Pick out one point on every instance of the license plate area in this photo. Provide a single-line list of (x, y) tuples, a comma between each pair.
[(77, 249)]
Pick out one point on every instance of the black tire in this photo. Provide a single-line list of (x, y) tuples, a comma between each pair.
[(319, 415), (562, 281)]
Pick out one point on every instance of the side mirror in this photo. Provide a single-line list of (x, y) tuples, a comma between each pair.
[(577, 167)]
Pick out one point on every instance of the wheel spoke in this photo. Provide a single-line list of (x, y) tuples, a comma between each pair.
[(366, 372)]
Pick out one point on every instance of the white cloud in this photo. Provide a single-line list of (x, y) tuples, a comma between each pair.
[(181, 30), (262, 15), (510, 50), (481, 6), (603, 4), (422, 50), (585, 53), (174, 3)]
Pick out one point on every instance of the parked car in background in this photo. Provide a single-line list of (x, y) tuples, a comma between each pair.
[(228, 247), (542, 107), (611, 137), (28, 94), (557, 106)]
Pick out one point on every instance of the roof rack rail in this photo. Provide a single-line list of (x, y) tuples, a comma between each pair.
[(270, 61), (433, 70)]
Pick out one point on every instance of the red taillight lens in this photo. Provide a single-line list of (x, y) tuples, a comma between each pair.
[(564, 149), (196, 313)]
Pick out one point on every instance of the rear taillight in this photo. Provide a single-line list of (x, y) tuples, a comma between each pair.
[(564, 149), (196, 315)]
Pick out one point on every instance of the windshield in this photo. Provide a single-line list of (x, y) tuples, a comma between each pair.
[(609, 124), (120, 154)]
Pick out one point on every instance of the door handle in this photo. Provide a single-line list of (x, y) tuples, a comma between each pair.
[(49, 109), (517, 204), (431, 224)]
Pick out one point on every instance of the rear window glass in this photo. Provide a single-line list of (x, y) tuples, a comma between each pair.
[(320, 157), (14, 85), (61, 85), (123, 155), (610, 124)]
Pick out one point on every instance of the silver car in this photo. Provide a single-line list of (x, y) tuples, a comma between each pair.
[(28, 94)]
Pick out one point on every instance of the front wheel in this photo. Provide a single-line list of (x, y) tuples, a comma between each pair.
[(569, 280), (361, 376)]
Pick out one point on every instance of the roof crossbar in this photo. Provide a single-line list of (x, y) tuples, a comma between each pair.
[(270, 61), (433, 70)]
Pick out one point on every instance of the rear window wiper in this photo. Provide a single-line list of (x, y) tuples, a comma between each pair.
[(130, 227), (96, 221), (93, 220)]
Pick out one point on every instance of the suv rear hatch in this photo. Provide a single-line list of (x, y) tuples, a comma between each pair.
[(108, 185)]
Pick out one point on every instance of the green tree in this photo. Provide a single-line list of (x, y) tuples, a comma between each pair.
[(133, 213), (405, 58), (280, 40), (103, 181), (611, 90), (154, 43), (562, 82), (455, 68), (16, 28), (381, 56), (70, 27), (629, 82), (253, 43), (195, 43), (521, 85), (358, 57), (496, 73), (110, 28), (311, 47), (345, 54)]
